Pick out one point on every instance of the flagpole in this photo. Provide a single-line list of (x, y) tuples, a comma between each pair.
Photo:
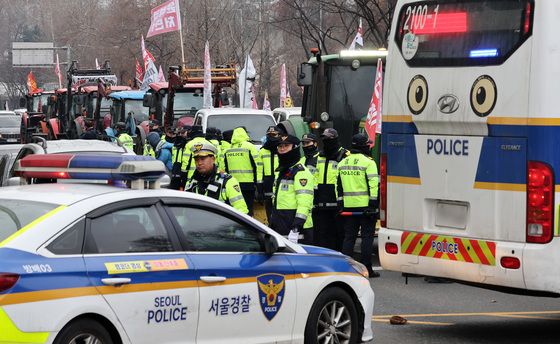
[(245, 82), (181, 33)]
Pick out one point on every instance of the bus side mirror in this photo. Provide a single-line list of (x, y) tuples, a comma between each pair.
[(22, 102), (305, 74), (148, 100)]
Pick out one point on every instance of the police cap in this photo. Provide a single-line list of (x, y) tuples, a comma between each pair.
[(309, 137), (360, 140), (330, 133), (289, 139), (203, 149)]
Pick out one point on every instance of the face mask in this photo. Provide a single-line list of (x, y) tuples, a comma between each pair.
[(309, 150), (290, 158), (330, 146)]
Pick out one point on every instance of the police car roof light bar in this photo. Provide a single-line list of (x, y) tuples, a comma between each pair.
[(84, 166)]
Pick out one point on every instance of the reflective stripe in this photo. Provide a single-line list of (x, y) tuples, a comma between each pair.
[(237, 150), (339, 198), (266, 156), (240, 171), (301, 216), (11, 334), (259, 164), (269, 193), (352, 168), (358, 193), (327, 204), (283, 181), (373, 176), (236, 198), (310, 192), (373, 198)]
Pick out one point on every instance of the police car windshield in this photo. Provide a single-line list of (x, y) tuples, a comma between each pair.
[(255, 124), (16, 214)]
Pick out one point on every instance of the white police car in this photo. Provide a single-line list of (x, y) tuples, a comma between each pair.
[(85, 263)]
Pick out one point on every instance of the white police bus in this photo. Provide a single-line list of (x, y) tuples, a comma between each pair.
[(470, 136)]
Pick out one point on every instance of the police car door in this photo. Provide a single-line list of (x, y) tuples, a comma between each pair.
[(137, 266), (245, 293)]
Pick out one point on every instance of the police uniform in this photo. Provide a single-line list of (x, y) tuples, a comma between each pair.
[(357, 190), (310, 155), (218, 185), (269, 159), (293, 194), (329, 228), (242, 161), (124, 139), (187, 161)]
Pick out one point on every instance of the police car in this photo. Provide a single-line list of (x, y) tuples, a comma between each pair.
[(89, 263)]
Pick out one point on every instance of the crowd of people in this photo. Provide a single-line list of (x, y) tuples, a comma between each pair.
[(325, 197)]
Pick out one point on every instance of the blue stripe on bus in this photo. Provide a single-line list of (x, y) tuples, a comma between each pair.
[(502, 160), (402, 160)]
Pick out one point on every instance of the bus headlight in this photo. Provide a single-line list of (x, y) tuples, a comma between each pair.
[(324, 116)]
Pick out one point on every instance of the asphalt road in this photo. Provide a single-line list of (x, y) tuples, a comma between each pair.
[(456, 313)]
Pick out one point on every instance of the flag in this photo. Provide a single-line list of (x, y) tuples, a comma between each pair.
[(288, 102), (57, 72), (246, 79), (254, 104), (97, 64), (207, 104), (151, 75), (359, 39), (373, 119), (165, 18), (161, 76), (146, 55), (282, 85), (32, 84), (266, 102), (139, 72)]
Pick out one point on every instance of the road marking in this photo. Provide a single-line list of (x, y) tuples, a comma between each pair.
[(417, 322), (524, 317), (465, 314)]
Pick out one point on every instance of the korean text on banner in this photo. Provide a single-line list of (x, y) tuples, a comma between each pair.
[(165, 18)]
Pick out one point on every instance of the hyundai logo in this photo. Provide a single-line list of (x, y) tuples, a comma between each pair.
[(448, 103)]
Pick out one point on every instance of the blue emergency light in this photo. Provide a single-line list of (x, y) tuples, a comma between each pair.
[(87, 166), (483, 53)]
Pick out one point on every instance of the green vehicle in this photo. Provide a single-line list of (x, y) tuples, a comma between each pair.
[(338, 90)]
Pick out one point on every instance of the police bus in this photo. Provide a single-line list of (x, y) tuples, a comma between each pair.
[(470, 143)]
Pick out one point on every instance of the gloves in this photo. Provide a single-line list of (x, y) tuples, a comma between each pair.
[(298, 224), (294, 235), (259, 197), (372, 209)]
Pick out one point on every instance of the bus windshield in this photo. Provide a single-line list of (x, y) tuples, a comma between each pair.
[(462, 32)]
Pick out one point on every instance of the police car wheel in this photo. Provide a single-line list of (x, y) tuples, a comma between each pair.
[(333, 319), (84, 331)]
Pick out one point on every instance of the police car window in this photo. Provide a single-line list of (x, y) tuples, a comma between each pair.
[(129, 230), (211, 232), (71, 241), (16, 214)]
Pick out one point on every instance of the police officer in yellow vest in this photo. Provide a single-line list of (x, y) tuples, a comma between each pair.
[(177, 153), (122, 136), (194, 136), (214, 136), (293, 193), (208, 181), (310, 153), (242, 161), (357, 190), (329, 228), (269, 158)]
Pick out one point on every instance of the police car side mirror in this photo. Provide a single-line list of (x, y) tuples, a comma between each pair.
[(270, 244)]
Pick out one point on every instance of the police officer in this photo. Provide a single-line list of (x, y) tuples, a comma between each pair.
[(329, 228), (242, 161), (177, 152), (122, 136), (214, 136), (293, 193), (194, 136), (208, 181), (357, 191), (310, 153), (269, 159)]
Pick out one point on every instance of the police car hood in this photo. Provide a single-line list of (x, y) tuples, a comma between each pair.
[(239, 136)]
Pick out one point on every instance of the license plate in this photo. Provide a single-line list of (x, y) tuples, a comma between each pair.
[(452, 214)]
